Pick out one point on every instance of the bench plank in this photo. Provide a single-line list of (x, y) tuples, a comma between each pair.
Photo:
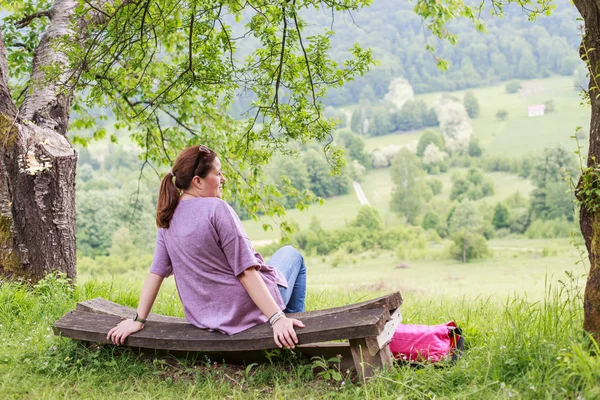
[(102, 306), (83, 325)]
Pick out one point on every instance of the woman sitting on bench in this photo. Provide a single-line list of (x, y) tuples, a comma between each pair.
[(223, 284)]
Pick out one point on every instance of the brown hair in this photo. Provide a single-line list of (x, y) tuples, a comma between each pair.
[(193, 161)]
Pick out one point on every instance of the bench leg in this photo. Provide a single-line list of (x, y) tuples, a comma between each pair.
[(366, 359)]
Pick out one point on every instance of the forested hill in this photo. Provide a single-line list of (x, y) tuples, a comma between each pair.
[(512, 48)]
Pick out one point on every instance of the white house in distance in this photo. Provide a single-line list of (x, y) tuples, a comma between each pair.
[(536, 110)]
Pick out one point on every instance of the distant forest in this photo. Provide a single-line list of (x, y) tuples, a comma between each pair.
[(512, 48)]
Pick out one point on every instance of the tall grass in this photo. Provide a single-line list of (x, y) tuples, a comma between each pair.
[(515, 349)]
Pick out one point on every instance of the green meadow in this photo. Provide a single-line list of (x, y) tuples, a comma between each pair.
[(520, 309)]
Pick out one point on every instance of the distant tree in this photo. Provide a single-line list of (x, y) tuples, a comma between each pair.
[(513, 87), (321, 182), (473, 186), (549, 106), (502, 115), (501, 216), (436, 185), (369, 218), (85, 172), (549, 199), (527, 67), (410, 192), (99, 215), (455, 125), (431, 119), (475, 176), (380, 123), (460, 187), (465, 228), (294, 170), (471, 104), (411, 116), (355, 148), (356, 122), (399, 92), (367, 95), (431, 220), (429, 137), (475, 149)]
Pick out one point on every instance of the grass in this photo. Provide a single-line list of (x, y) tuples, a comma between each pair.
[(518, 348)]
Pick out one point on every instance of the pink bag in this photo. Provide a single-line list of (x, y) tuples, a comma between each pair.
[(419, 343)]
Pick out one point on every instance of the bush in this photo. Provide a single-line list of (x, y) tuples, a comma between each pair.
[(436, 186), (518, 221), (471, 104), (549, 229), (430, 220), (468, 246), (501, 217), (513, 87), (475, 149), (502, 115), (368, 217), (430, 137), (338, 258), (549, 106)]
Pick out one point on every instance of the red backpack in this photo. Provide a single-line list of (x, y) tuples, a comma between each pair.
[(424, 343)]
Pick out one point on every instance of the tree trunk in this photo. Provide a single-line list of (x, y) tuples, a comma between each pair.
[(590, 221), (37, 185)]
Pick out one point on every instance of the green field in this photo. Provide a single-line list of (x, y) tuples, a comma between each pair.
[(377, 185), (516, 268), (519, 134)]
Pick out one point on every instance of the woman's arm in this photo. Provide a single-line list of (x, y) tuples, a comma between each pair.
[(119, 333), (283, 330)]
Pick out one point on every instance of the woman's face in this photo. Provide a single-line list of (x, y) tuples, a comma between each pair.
[(212, 185)]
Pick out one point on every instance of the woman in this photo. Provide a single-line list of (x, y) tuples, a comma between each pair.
[(223, 284)]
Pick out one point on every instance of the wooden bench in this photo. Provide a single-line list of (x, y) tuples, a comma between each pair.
[(366, 327)]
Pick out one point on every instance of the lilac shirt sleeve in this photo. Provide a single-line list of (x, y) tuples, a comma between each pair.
[(161, 264), (236, 246)]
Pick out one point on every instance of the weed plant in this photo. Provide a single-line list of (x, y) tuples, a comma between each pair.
[(516, 349)]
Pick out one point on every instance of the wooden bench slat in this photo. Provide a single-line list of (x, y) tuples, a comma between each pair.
[(102, 306), (83, 325)]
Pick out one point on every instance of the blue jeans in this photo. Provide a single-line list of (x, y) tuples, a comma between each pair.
[(290, 262)]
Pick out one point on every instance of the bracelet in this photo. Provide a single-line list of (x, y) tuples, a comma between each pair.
[(276, 317)]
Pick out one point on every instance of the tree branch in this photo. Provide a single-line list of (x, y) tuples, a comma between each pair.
[(22, 23), (281, 59)]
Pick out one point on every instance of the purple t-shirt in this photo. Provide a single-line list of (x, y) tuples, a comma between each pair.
[(206, 248)]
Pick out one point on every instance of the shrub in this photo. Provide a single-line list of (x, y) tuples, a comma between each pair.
[(436, 186), (368, 217), (513, 87), (549, 229), (338, 258), (518, 220), (431, 220), (471, 104), (502, 115), (468, 246)]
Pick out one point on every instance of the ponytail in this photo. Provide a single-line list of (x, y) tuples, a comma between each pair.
[(192, 161), (168, 197)]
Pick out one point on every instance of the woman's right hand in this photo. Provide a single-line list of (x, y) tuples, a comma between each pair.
[(284, 333), (119, 333)]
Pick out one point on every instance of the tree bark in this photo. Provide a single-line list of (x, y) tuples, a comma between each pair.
[(38, 164), (590, 221)]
